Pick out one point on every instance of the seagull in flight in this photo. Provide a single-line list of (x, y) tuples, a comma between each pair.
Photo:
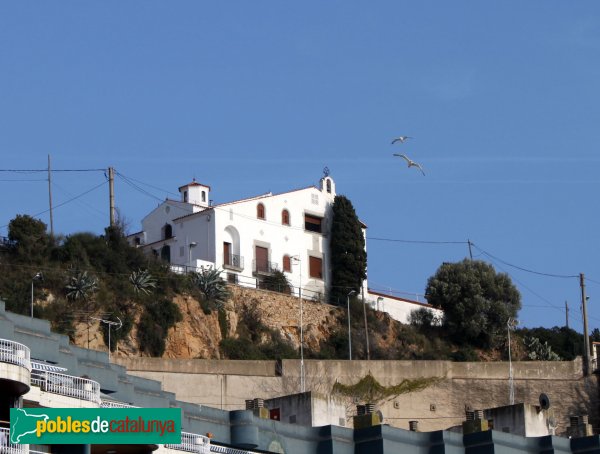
[(410, 162), (401, 139)]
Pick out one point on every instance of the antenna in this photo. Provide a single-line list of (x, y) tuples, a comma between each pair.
[(110, 325)]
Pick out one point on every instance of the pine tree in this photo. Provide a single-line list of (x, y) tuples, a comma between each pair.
[(347, 251)]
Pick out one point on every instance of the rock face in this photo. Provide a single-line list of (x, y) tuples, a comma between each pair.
[(198, 334)]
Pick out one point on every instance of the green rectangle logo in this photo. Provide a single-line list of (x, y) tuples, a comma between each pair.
[(95, 426)]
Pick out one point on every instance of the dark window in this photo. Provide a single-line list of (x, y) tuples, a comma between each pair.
[(168, 231), (312, 223), (204, 196), (138, 241), (165, 253), (226, 253), (260, 211), (287, 263), (185, 196), (285, 217), (329, 186), (232, 278), (315, 265)]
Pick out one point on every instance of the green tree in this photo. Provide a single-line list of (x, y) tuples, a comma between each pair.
[(276, 282), (347, 251), (477, 301), (31, 241)]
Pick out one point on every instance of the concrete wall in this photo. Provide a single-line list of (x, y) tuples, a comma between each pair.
[(440, 406), (519, 419)]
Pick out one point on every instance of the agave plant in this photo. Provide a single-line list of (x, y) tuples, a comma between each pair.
[(142, 281), (81, 286), (212, 286)]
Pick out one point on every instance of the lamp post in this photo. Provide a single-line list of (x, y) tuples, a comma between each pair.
[(352, 292), (510, 325), (296, 259), (38, 276)]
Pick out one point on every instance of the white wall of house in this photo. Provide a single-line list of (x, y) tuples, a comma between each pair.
[(398, 308), (199, 232)]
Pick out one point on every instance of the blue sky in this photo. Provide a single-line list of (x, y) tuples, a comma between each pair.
[(502, 99)]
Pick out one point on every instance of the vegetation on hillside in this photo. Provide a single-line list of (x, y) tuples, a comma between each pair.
[(84, 275)]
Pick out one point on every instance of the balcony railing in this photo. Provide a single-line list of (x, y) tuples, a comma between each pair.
[(233, 262), (264, 267), (115, 404), (226, 450), (15, 353), (6, 447), (192, 443), (67, 385)]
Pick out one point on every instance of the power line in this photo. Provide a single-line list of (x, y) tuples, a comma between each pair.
[(416, 241), (539, 273), (53, 170)]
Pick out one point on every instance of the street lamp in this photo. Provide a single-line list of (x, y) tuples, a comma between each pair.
[(352, 292), (40, 277), (296, 259), (511, 325)]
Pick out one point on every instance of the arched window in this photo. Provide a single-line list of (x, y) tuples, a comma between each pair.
[(329, 186), (287, 263), (260, 211), (285, 217), (204, 196)]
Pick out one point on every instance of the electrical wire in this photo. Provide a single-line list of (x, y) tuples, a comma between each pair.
[(561, 276), (147, 184), (416, 241), (51, 170)]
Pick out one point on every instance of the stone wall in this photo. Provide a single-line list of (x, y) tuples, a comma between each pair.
[(226, 385)]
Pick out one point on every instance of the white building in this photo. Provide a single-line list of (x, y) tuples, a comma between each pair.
[(248, 238)]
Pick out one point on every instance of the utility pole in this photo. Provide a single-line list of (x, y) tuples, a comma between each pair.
[(50, 198), (586, 339), (470, 251), (366, 328), (111, 190), (567, 313)]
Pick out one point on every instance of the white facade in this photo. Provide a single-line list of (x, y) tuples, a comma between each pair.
[(399, 308), (247, 238)]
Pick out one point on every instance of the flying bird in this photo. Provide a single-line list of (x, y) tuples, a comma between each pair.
[(410, 162), (401, 139)]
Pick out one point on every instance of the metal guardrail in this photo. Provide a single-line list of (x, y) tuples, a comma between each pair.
[(67, 385), (14, 353), (264, 267), (115, 404), (234, 262), (192, 443), (226, 450), (6, 447)]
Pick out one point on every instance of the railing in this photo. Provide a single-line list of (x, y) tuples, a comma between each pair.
[(264, 267), (192, 443), (15, 353), (6, 447), (67, 385), (234, 262), (6, 243), (115, 404), (226, 450)]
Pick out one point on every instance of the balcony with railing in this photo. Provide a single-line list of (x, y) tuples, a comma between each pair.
[(8, 447), (192, 443), (233, 262), (67, 385), (14, 353), (264, 267)]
